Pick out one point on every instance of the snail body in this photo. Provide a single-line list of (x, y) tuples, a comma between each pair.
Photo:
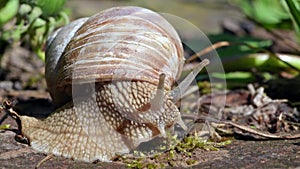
[(112, 75)]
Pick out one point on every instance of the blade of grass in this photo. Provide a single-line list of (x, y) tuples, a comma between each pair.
[(295, 13)]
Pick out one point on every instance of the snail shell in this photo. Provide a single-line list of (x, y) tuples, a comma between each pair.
[(132, 57), (115, 44)]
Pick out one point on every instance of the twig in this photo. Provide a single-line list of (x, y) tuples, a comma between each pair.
[(207, 50), (4, 117), (6, 107), (250, 130), (48, 157)]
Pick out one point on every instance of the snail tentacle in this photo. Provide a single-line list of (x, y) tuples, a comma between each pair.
[(177, 92), (157, 101), (182, 124)]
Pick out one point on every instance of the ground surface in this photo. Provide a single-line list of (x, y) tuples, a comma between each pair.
[(240, 154)]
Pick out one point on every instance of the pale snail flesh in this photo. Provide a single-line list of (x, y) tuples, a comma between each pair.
[(133, 56)]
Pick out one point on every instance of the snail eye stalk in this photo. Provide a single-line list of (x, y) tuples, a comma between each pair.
[(157, 101), (177, 92)]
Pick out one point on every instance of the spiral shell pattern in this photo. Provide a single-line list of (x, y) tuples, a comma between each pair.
[(122, 43)]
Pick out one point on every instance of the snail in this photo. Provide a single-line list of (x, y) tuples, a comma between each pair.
[(112, 75)]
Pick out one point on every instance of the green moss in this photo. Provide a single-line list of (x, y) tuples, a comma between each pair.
[(152, 166), (190, 162), (135, 164), (179, 153), (4, 126)]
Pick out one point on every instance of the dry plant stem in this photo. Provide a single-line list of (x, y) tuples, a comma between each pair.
[(7, 107), (207, 50), (250, 130), (4, 117), (48, 157), (280, 36), (287, 41), (3, 107), (12, 113), (15, 116)]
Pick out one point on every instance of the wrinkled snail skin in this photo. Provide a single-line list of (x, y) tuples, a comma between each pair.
[(104, 131), (132, 57)]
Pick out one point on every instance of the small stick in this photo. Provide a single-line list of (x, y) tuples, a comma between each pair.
[(48, 157), (250, 130), (207, 50), (7, 107)]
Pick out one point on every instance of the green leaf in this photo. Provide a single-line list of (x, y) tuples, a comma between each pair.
[(238, 49), (8, 10), (35, 13), (269, 13), (294, 10), (235, 75), (51, 7), (24, 9)]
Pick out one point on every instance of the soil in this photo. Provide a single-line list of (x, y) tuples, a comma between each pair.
[(239, 154)]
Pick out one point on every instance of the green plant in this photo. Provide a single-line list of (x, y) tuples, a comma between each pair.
[(30, 21), (179, 152), (272, 13), (293, 7)]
